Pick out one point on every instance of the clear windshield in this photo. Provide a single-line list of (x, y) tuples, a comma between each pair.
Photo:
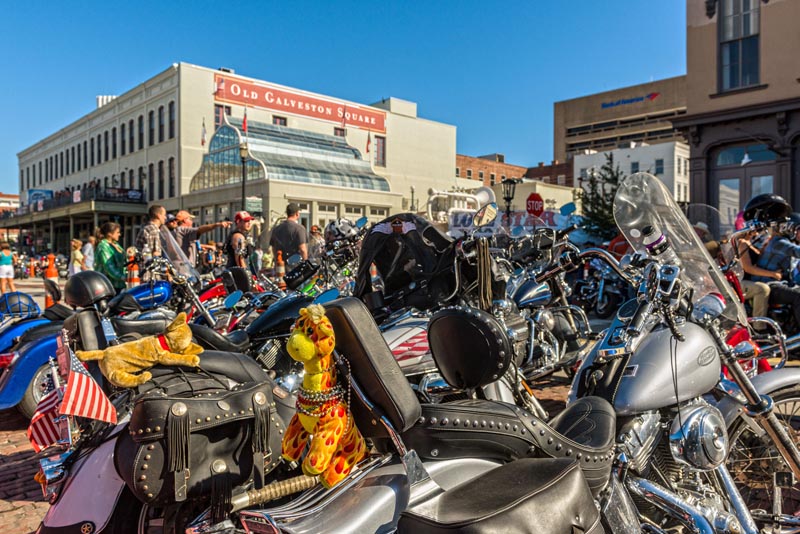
[(715, 231), (642, 200), (173, 252)]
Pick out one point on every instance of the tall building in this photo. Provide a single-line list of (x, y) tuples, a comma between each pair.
[(743, 100), (611, 119), (175, 140)]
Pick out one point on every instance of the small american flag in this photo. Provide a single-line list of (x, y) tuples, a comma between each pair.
[(42, 431), (412, 347), (83, 397)]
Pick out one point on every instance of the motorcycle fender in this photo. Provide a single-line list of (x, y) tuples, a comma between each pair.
[(765, 384), (93, 479), (17, 377), (16, 329)]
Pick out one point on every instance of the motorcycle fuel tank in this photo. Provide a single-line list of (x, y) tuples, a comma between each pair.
[(279, 317), (663, 372), (530, 294), (152, 294)]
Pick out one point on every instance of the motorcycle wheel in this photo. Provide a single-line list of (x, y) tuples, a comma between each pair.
[(35, 391), (607, 304), (753, 459)]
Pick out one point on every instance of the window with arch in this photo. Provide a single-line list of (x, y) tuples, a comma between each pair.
[(151, 128), (79, 156), (172, 119), (130, 179), (114, 142), (105, 145), (72, 159), (171, 171), (161, 179), (61, 164), (91, 147), (105, 182), (151, 182), (67, 160), (141, 178), (40, 173), (141, 132), (99, 149), (131, 136), (85, 156), (122, 139), (161, 124)]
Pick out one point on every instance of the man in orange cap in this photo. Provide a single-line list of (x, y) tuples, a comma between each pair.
[(186, 234), (238, 247)]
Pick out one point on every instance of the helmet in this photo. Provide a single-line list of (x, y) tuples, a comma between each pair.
[(767, 208), (792, 225), (339, 230), (87, 288)]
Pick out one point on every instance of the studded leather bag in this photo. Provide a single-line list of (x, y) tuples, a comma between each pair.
[(199, 440)]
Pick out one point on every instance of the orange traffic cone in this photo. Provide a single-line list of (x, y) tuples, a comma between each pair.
[(280, 270), (50, 274), (133, 273)]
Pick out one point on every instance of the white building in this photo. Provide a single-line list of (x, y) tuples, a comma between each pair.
[(669, 161)]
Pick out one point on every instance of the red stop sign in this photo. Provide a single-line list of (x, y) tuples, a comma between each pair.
[(535, 204)]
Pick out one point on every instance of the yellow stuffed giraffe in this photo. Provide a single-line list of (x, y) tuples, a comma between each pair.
[(336, 444), (119, 362)]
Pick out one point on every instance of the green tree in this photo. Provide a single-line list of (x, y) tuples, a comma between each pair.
[(597, 199)]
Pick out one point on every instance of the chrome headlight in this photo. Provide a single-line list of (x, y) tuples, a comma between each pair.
[(544, 319), (698, 437)]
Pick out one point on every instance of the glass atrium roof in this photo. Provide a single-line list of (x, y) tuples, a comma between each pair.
[(282, 153)]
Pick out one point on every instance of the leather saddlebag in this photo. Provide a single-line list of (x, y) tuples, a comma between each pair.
[(194, 435)]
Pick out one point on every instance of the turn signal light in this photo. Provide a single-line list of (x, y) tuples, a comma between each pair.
[(7, 359)]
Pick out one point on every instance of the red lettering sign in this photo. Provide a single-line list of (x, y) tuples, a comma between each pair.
[(535, 204), (260, 95)]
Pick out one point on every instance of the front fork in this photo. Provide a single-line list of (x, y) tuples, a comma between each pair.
[(199, 305)]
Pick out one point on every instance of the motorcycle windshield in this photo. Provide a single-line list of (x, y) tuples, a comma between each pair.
[(715, 230), (642, 200), (172, 251)]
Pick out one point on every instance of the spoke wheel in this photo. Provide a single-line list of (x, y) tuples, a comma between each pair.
[(753, 458)]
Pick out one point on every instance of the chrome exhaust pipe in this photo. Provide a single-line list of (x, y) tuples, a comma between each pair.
[(677, 507)]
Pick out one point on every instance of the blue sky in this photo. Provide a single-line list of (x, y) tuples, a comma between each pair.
[(493, 69)]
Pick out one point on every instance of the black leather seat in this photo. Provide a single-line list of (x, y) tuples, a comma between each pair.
[(123, 303), (541, 496), (142, 327), (208, 338), (57, 312), (497, 431), (40, 331), (234, 365)]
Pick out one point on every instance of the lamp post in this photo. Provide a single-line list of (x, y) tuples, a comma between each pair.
[(509, 188), (411, 207), (243, 155)]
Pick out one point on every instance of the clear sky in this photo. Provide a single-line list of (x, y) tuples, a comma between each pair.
[(493, 69)]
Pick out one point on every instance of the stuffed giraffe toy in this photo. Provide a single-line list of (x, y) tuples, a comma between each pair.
[(336, 444)]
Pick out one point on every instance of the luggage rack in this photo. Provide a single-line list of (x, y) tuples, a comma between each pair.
[(17, 305)]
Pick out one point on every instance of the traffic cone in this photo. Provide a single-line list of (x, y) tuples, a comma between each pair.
[(280, 270), (32, 268), (50, 274), (373, 271), (133, 273)]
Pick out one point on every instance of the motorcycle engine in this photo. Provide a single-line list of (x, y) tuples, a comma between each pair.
[(516, 327)]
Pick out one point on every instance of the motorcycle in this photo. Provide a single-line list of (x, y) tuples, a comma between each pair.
[(687, 439)]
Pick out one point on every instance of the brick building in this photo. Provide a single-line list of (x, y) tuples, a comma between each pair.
[(558, 173), (488, 170)]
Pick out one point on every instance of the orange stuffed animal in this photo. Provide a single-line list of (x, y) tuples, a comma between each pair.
[(336, 444)]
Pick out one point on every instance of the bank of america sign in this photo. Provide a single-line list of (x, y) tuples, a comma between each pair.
[(626, 101)]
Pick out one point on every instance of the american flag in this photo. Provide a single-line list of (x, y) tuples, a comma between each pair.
[(412, 347), (43, 432), (83, 397)]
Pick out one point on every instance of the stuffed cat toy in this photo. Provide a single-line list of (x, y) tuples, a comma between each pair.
[(118, 363)]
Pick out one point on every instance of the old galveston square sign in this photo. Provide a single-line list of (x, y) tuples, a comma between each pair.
[(261, 95)]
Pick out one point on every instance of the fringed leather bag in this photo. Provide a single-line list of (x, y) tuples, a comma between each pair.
[(191, 437)]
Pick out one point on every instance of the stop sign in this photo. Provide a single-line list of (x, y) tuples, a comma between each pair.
[(535, 204)]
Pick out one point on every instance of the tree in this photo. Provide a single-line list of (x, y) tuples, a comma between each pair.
[(597, 199)]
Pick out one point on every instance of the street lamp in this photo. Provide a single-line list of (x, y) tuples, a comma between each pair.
[(411, 208), (243, 155), (509, 188)]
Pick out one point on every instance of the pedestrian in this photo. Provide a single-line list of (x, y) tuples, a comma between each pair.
[(316, 243), (186, 234), (88, 253), (110, 258), (289, 237), (149, 235), (76, 260), (7, 259), (238, 246)]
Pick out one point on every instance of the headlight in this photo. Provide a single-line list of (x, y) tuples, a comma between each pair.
[(698, 437)]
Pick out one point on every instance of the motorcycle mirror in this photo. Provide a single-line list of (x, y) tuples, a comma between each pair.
[(232, 299), (567, 209), (361, 222), (517, 231), (327, 296), (486, 215), (744, 350)]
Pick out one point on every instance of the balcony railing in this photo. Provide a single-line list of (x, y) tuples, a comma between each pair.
[(87, 194)]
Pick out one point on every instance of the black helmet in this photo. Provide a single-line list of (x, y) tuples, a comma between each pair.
[(340, 230), (791, 226), (767, 208), (87, 288)]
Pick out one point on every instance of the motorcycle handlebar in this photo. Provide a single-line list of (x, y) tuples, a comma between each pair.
[(568, 261)]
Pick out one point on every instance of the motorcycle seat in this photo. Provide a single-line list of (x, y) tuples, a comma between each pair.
[(40, 331), (57, 312), (542, 496), (234, 365), (208, 338), (471, 428), (142, 327)]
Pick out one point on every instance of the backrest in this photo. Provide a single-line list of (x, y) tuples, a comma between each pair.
[(236, 278), (373, 368)]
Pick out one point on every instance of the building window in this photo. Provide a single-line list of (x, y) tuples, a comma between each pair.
[(40, 173), (60, 164), (85, 156), (151, 182), (141, 179), (634, 167), (141, 132), (492, 178), (220, 112), (354, 210), (21, 180), (659, 167), (172, 120), (480, 176), (469, 173), (458, 172), (379, 212), (114, 143), (338, 132), (380, 151), (79, 156), (130, 179), (66, 157), (122, 139), (171, 170), (105, 145), (130, 136), (161, 179), (502, 177), (151, 128), (738, 43), (278, 121), (91, 147), (161, 124)]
